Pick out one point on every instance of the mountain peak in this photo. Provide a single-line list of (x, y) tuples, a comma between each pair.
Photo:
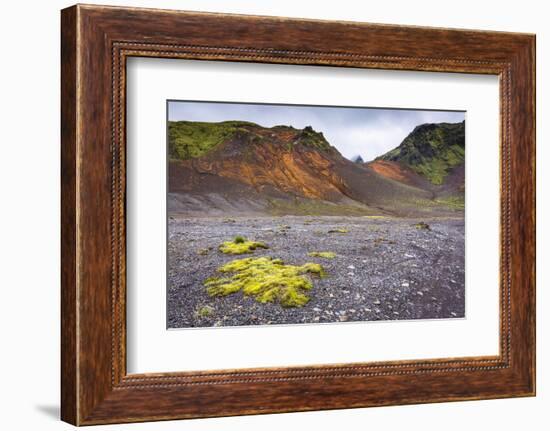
[(431, 150), (357, 159)]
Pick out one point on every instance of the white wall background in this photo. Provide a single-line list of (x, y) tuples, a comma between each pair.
[(29, 215)]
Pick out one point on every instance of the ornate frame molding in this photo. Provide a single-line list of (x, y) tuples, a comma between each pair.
[(96, 41)]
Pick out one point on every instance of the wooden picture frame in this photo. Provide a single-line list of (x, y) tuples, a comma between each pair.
[(95, 43)]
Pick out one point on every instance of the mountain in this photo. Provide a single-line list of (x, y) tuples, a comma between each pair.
[(237, 167), (357, 159), (433, 151)]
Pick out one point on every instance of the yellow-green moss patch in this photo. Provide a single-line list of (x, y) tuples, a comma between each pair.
[(339, 230), (266, 279), (240, 245), (323, 254), (205, 311), (422, 226)]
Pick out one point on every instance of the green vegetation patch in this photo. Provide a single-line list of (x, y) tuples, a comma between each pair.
[(323, 254), (312, 207), (205, 311), (454, 202), (310, 138), (191, 139), (240, 245), (431, 150), (266, 279), (339, 230), (422, 226)]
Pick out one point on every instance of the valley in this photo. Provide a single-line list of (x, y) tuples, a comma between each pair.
[(275, 226)]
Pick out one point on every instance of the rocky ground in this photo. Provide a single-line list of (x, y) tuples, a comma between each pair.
[(384, 269)]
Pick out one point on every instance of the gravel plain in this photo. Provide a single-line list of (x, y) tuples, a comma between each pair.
[(385, 269)]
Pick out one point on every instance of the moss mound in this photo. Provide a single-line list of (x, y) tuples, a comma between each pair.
[(323, 254), (205, 311), (240, 245), (422, 226), (266, 279), (339, 230)]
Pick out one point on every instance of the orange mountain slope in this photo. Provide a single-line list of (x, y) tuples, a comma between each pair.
[(234, 162)]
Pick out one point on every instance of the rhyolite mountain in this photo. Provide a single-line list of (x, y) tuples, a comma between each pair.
[(238, 167)]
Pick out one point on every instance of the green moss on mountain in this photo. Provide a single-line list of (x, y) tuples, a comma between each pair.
[(190, 139), (431, 150), (311, 138)]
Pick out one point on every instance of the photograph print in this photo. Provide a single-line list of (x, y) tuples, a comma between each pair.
[(298, 214)]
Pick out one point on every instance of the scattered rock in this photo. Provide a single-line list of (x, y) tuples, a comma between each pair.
[(395, 273)]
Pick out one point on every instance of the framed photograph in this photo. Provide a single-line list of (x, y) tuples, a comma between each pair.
[(264, 214)]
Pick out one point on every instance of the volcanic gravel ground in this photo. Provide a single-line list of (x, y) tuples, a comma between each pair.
[(384, 269)]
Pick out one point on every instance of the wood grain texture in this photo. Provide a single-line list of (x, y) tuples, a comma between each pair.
[(69, 397), (96, 41)]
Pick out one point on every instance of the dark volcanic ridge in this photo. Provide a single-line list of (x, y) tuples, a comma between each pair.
[(238, 167)]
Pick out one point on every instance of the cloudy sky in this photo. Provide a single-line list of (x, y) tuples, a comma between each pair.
[(368, 132)]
